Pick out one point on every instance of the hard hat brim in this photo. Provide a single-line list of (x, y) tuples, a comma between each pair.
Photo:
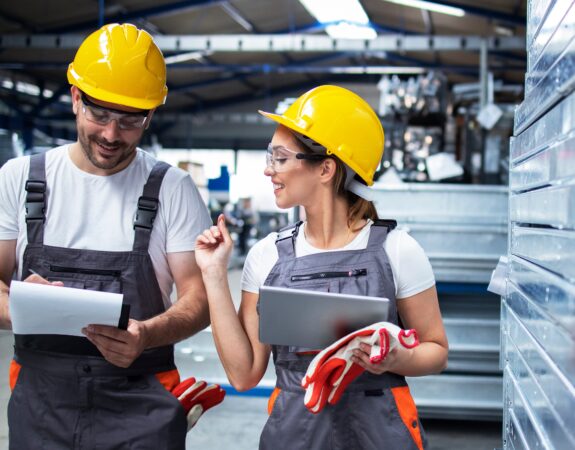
[(282, 121), (288, 123)]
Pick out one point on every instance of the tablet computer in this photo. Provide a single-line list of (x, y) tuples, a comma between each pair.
[(314, 319)]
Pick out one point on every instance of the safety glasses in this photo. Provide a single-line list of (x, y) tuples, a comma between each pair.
[(103, 116), (281, 159)]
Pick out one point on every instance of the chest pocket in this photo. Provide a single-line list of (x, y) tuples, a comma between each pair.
[(353, 281), (104, 280)]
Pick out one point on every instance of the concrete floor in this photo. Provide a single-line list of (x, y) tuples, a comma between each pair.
[(236, 423)]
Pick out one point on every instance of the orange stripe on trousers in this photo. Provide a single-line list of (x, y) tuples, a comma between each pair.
[(272, 399), (14, 372), (408, 413)]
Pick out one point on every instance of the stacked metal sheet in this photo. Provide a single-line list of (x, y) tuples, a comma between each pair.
[(550, 58), (463, 230), (538, 311)]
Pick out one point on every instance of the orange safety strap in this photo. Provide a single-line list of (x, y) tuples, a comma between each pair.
[(272, 399), (408, 413), (169, 379), (14, 372)]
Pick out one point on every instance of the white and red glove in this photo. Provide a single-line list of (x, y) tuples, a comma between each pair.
[(197, 397), (332, 370)]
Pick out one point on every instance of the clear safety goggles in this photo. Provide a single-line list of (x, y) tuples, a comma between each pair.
[(282, 159), (103, 116)]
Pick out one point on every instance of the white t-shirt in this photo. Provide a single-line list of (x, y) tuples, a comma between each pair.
[(411, 269), (96, 212)]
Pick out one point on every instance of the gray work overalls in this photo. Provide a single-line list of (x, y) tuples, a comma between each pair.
[(375, 412), (67, 396)]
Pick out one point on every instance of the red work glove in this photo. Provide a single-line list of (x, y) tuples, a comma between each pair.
[(332, 370), (197, 397)]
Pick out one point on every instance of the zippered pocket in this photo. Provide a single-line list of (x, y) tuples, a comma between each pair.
[(332, 274), (103, 272), (104, 280)]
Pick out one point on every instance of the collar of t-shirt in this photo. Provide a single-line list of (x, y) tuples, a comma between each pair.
[(303, 247)]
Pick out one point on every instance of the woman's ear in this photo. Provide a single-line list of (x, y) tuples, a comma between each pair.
[(328, 169)]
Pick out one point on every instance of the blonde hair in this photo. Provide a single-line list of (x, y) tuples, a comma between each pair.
[(359, 208)]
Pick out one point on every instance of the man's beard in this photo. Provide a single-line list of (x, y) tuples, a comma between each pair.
[(124, 152)]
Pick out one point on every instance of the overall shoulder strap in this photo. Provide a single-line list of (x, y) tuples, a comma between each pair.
[(390, 224), (148, 205), (379, 231), (285, 242), (36, 199)]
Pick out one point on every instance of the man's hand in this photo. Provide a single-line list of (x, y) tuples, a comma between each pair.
[(5, 320), (118, 347)]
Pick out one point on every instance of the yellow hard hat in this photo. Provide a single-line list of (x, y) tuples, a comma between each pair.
[(120, 64), (340, 121)]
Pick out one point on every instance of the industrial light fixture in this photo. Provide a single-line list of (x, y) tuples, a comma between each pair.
[(346, 30), (383, 70), (343, 19), (503, 30), (430, 6), (26, 88), (188, 56)]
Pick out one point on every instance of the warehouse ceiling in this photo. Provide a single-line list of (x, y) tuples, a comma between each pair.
[(229, 58)]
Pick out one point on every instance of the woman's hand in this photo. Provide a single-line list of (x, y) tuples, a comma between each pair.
[(214, 247), (394, 360)]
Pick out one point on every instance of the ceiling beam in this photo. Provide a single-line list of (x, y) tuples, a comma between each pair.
[(318, 27), (237, 17), (486, 13), (232, 43), (427, 22), (18, 22), (155, 11), (45, 101)]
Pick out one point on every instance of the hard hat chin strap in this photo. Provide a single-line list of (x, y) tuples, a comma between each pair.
[(359, 189)]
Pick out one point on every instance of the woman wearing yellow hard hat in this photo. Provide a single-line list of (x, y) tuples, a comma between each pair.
[(352, 394)]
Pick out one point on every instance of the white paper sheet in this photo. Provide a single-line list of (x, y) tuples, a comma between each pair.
[(498, 277), (46, 309)]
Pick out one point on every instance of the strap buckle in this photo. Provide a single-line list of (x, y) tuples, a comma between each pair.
[(35, 200), (35, 186), (146, 213)]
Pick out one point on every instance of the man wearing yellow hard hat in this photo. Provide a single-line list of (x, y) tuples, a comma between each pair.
[(353, 393), (101, 214)]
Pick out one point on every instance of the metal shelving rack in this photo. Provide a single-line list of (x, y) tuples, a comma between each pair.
[(538, 311), (463, 230)]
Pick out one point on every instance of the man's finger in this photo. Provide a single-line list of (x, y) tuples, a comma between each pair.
[(107, 331), (106, 344), (112, 351)]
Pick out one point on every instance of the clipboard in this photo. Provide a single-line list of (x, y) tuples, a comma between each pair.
[(56, 310), (314, 319), (124, 316)]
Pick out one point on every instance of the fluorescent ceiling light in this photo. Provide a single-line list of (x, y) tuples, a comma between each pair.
[(188, 56), (345, 30), (345, 19), (389, 70), (504, 31), (430, 6)]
